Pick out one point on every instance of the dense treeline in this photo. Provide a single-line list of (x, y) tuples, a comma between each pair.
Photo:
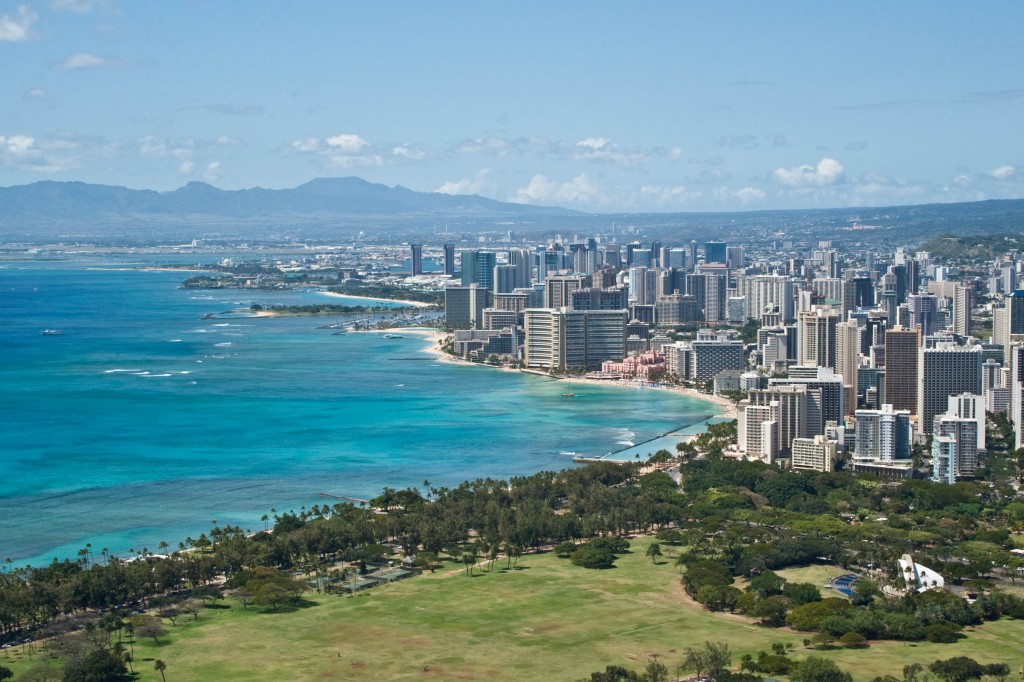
[(482, 516), (730, 520)]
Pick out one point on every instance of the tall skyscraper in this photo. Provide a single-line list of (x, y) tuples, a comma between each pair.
[(559, 288), (464, 306), (963, 303), (449, 259), (848, 360), (817, 338), (478, 268), (883, 435), (945, 370), (924, 309), (417, 259), (901, 350), (563, 338), (714, 252)]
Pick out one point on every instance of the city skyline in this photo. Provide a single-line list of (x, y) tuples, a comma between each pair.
[(656, 107)]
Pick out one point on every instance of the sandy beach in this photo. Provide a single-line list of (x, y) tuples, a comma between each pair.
[(727, 408), (413, 304)]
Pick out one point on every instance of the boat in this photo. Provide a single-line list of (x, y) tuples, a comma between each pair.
[(569, 453), (52, 332), (568, 395), (392, 336)]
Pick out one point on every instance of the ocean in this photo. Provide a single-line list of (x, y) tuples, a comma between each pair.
[(144, 423)]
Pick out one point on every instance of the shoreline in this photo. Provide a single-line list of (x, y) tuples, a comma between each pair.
[(412, 304), (728, 408)]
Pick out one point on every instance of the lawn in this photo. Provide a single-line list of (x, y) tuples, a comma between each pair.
[(549, 620), (817, 574)]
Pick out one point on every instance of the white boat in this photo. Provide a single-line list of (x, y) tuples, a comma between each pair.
[(52, 332)]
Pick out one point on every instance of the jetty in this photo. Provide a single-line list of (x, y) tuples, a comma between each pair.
[(345, 498)]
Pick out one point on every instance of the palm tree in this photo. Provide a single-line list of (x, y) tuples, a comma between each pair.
[(160, 667)]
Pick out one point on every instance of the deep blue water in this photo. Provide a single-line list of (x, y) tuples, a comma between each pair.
[(144, 422)]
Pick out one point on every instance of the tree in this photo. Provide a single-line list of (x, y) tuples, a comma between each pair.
[(6, 673), (654, 551), (148, 626), (99, 665), (160, 667), (815, 669), (958, 669), (711, 661), (771, 611), (853, 640), (655, 671)]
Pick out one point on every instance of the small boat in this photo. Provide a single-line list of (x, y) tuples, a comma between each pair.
[(52, 332), (568, 395), (569, 453), (392, 336)]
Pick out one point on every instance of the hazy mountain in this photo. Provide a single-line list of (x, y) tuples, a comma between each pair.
[(47, 208)]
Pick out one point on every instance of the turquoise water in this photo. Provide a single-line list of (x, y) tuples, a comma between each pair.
[(144, 422)]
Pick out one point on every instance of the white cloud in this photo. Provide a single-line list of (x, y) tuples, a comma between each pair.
[(749, 195), (827, 172), (348, 150), (1003, 172), (347, 143), (472, 185), (409, 152), (18, 28), (187, 153), (594, 143), (494, 146), (962, 180), (84, 60), (51, 155), (675, 153), (35, 93), (541, 190), (212, 172), (309, 144)]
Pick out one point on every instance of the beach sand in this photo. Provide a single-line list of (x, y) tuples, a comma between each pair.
[(727, 407)]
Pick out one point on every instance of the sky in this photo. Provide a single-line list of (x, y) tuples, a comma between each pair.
[(595, 106)]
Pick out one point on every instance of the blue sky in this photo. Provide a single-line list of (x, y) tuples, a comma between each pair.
[(639, 106)]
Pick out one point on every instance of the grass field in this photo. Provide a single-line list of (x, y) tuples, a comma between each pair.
[(549, 620)]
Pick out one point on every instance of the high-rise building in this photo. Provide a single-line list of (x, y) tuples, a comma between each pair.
[(963, 303), (924, 310), (559, 288), (505, 279), (813, 454), (964, 422), (417, 259), (769, 292), (464, 306), (715, 287), (883, 435), (828, 385), (714, 352), (901, 349), (797, 405), (943, 371), (715, 252), (522, 260), (817, 338), (478, 268), (449, 259), (562, 338), (848, 360)]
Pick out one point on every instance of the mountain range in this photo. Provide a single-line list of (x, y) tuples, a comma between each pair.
[(332, 207), (49, 207)]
